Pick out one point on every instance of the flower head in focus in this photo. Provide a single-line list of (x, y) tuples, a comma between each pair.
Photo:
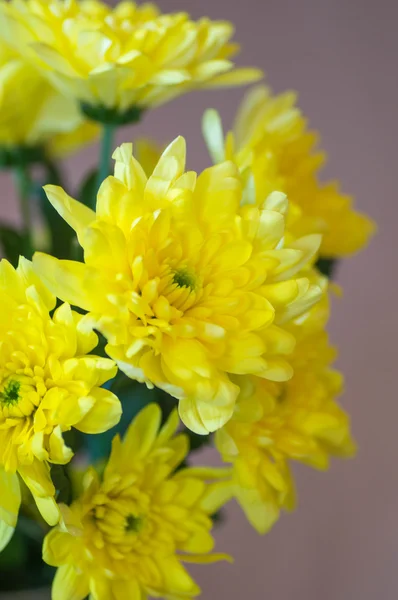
[(33, 114), (275, 423), (187, 282), (48, 384), (122, 57), (132, 528), (274, 149)]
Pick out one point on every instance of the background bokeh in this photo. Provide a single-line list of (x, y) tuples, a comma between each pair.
[(341, 55)]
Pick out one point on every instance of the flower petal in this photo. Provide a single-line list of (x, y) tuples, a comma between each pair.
[(68, 584), (104, 414)]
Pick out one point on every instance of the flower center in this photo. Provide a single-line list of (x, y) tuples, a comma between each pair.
[(10, 394), (20, 395), (133, 523), (184, 278)]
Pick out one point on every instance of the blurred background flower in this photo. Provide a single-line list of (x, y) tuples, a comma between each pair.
[(129, 56), (35, 115)]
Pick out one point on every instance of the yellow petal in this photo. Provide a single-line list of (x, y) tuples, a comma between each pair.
[(6, 533), (25, 267), (204, 417), (64, 278), (176, 579), (48, 509), (128, 170), (141, 434), (132, 590), (168, 429), (261, 513), (76, 214), (205, 559), (240, 76), (37, 478), (58, 547), (10, 497), (213, 134), (104, 414), (68, 584), (217, 495)]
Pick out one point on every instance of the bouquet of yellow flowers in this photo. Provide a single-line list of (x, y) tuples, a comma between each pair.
[(164, 309)]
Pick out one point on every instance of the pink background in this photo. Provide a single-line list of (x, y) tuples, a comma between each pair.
[(342, 542)]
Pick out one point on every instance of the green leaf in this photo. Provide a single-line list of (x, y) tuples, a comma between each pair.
[(12, 242)]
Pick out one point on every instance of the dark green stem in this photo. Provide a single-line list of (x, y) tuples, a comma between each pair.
[(24, 185), (53, 174), (60, 233), (108, 130)]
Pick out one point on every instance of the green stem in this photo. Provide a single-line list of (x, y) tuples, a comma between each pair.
[(24, 185), (53, 174), (61, 234), (108, 131)]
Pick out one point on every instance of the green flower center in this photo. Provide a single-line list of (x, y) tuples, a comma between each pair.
[(133, 523), (183, 278), (10, 394)]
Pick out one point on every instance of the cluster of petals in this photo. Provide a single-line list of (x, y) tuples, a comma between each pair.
[(188, 282), (274, 149), (129, 55), (48, 119), (130, 530), (276, 423), (49, 383)]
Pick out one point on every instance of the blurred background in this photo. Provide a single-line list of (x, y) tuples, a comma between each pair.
[(341, 56)]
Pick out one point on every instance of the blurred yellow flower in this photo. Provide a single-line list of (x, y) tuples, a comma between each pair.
[(132, 528), (129, 55), (48, 384), (274, 149), (148, 153), (275, 423), (33, 114), (187, 285)]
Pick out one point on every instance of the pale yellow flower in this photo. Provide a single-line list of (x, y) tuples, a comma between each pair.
[(133, 527), (275, 423), (187, 284), (129, 55), (33, 114), (148, 153), (274, 149), (49, 383)]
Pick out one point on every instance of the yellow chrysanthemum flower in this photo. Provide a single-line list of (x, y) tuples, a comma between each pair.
[(48, 384), (275, 423), (33, 114), (187, 284), (129, 55), (132, 528), (274, 149)]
